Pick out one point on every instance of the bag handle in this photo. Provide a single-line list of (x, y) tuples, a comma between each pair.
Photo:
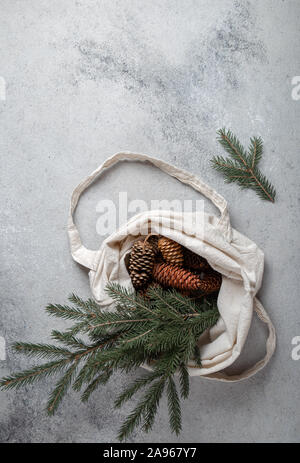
[(86, 257), (270, 348)]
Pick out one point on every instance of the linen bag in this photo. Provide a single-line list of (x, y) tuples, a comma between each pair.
[(236, 257)]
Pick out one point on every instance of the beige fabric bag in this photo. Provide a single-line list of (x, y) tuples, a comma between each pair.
[(238, 259)]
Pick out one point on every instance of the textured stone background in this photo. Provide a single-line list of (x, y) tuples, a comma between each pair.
[(88, 78)]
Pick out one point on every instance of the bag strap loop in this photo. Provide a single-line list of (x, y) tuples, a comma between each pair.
[(87, 257), (270, 348)]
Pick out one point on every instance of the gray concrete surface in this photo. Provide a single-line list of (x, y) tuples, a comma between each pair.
[(85, 79)]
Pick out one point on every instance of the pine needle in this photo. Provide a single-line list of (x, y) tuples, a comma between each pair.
[(102, 378), (41, 350), (184, 381), (174, 407), (150, 400), (61, 389), (32, 375), (134, 388)]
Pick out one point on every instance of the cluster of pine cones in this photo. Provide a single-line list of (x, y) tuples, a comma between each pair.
[(161, 261)]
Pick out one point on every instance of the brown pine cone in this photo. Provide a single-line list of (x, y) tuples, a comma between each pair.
[(176, 277), (141, 264), (211, 282), (171, 251), (153, 241), (194, 261), (127, 261)]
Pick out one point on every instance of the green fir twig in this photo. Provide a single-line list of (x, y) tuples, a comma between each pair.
[(242, 165), (161, 331)]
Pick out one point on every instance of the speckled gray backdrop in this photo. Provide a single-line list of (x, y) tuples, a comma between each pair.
[(85, 79)]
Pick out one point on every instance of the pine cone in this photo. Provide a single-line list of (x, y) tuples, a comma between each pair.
[(153, 241), (141, 264), (171, 251), (127, 261), (176, 277), (194, 261), (211, 282)]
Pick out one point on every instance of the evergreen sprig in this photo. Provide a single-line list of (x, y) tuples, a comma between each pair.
[(161, 331), (242, 165)]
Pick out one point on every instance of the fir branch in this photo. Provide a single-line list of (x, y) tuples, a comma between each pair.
[(89, 306), (163, 305), (263, 188), (197, 356), (89, 370), (120, 357), (162, 332), (86, 374), (168, 362), (41, 350), (150, 399), (34, 374), (184, 381), (61, 388), (68, 313), (102, 378), (156, 392), (38, 372), (138, 336), (134, 388), (80, 327), (123, 296), (242, 167), (233, 146), (182, 303), (117, 321), (173, 406), (255, 151), (68, 339)]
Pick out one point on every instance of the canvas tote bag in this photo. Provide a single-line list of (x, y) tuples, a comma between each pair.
[(236, 257)]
